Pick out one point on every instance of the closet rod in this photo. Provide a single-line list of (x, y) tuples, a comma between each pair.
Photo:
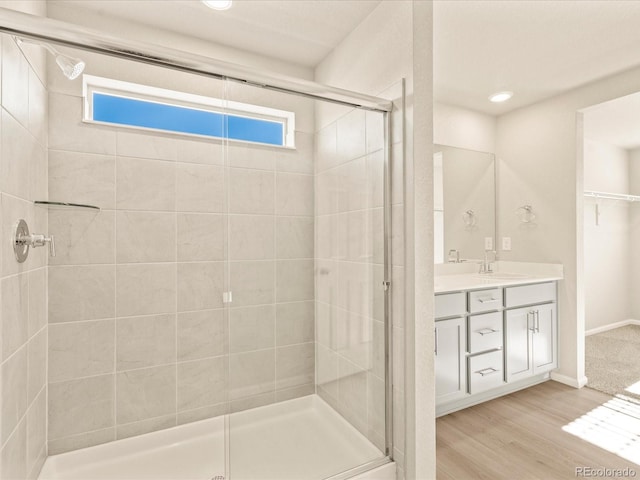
[(613, 196)]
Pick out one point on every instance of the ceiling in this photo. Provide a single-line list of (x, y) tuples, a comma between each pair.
[(535, 48), (302, 32)]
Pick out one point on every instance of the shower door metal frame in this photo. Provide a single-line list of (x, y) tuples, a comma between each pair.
[(61, 33)]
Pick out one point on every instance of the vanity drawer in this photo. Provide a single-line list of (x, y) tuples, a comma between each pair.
[(485, 300), (485, 332), (530, 294), (450, 305), (485, 371)]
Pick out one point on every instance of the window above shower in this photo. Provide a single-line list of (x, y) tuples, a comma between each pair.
[(132, 105)]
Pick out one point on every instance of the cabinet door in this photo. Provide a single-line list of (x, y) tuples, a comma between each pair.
[(518, 343), (545, 356), (450, 365)]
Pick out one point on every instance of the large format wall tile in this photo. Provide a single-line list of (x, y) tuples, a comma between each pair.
[(200, 285), (251, 373), (294, 323), (145, 341), (18, 147), (145, 393), (146, 145), (144, 237), (295, 365), (15, 81), (202, 383), (14, 313), (37, 432), (251, 237), (81, 440), (13, 459), (294, 237), (251, 191), (145, 289), (252, 282), (201, 237), (37, 300), (68, 132), (14, 392), (294, 280), (294, 194), (200, 188), (82, 405), (37, 365), (202, 334), (82, 237), (81, 293), (145, 426), (251, 328), (81, 349), (85, 178), (138, 182)]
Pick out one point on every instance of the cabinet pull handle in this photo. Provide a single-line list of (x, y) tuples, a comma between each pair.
[(536, 316), (488, 300), (487, 371), (531, 314), (435, 349), (486, 331)]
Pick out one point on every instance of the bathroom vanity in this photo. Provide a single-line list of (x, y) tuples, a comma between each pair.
[(494, 333)]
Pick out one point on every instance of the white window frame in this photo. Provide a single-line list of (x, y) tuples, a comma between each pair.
[(92, 84)]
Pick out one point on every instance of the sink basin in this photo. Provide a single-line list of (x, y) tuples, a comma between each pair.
[(502, 276)]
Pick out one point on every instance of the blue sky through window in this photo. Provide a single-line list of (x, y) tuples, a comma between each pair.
[(174, 118)]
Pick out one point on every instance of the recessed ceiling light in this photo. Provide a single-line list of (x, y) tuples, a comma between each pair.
[(218, 4), (500, 97)]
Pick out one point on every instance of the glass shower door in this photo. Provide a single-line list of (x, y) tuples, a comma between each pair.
[(305, 274)]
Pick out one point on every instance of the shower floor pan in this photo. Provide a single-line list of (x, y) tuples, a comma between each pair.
[(297, 439)]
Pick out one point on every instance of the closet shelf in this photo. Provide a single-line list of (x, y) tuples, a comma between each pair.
[(613, 196), (44, 203)]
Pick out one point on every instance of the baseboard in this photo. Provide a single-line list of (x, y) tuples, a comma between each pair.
[(611, 326), (572, 382)]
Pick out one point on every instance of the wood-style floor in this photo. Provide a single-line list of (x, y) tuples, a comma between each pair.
[(520, 436)]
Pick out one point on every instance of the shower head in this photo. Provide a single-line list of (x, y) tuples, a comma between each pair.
[(70, 66)]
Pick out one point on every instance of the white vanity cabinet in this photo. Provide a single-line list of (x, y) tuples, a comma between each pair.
[(531, 331), (493, 341), (450, 346)]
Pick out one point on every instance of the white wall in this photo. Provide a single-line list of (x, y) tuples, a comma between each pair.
[(400, 34), (606, 244), (540, 149), (463, 128)]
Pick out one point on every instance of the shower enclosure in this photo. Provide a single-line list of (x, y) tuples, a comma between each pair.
[(232, 292)]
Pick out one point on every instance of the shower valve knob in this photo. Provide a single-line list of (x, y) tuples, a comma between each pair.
[(23, 240)]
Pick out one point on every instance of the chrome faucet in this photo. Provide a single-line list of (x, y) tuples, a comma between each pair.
[(486, 266), (22, 240)]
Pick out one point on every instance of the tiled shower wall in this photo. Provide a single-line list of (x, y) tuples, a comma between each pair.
[(350, 269), (23, 291), (138, 336)]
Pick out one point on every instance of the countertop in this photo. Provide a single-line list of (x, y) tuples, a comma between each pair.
[(451, 278)]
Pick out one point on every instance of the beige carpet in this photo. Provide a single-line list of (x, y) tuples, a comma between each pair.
[(613, 361)]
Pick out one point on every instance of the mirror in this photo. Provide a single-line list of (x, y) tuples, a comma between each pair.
[(464, 204)]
